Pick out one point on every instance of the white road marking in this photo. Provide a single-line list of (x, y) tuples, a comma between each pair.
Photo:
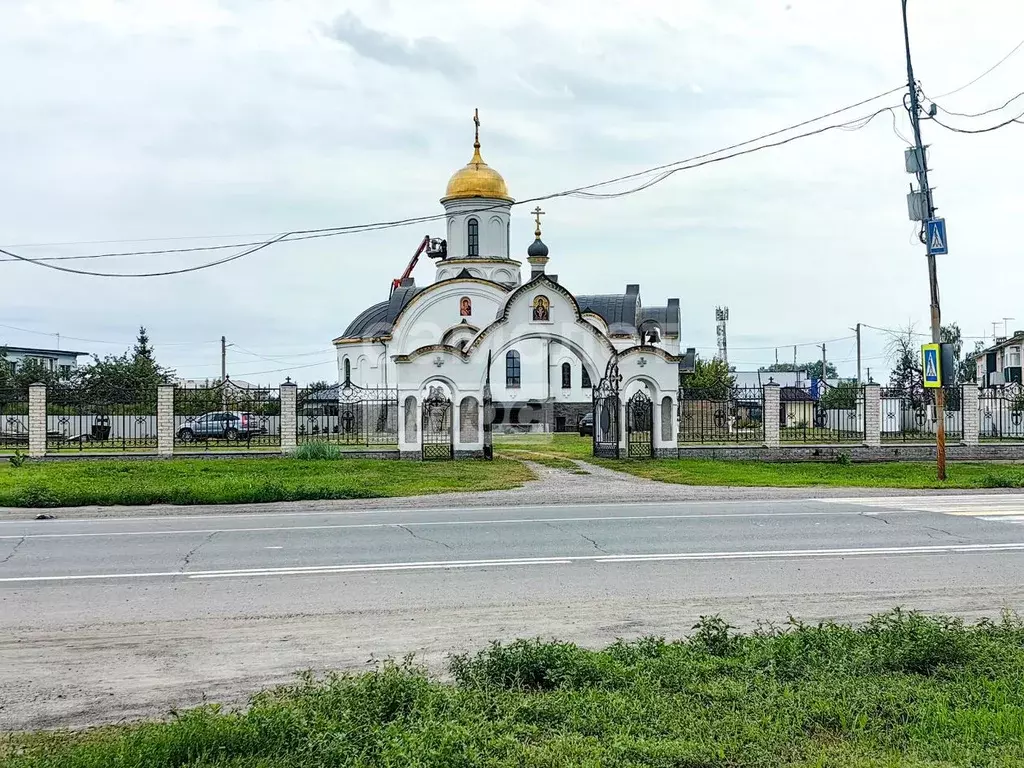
[(942, 549), (273, 547), (1002, 508), (421, 523)]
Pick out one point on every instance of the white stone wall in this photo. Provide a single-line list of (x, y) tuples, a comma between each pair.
[(165, 420), (493, 217), (771, 415), (37, 420), (289, 397), (872, 415), (969, 408)]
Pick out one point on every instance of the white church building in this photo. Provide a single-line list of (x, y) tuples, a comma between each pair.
[(481, 350)]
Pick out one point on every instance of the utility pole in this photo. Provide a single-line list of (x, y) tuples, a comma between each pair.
[(223, 358), (794, 357), (824, 366), (921, 168), (857, 330)]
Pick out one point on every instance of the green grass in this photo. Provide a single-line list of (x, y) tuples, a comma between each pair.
[(832, 474), (231, 481), (566, 444), (903, 690), (908, 474)]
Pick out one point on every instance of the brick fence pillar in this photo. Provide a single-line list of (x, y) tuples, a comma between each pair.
[(165, 420), (771, 415), (969, 414), (37, 420), (872, 415), (289, 418)]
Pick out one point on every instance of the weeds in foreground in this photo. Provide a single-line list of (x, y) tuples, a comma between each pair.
[(901, 690)]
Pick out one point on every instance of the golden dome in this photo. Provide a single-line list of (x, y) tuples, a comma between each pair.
[(476, 178)]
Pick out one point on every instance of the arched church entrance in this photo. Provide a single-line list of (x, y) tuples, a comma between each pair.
[(438, 424), (640, 425)]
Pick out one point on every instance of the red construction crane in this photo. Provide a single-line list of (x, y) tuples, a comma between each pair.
[(434, 247)]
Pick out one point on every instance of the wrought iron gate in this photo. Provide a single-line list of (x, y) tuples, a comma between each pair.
[(606, 412), (639, 426), (437, 426)]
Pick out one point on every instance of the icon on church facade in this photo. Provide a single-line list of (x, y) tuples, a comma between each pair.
[(465, 307), (541, 309)]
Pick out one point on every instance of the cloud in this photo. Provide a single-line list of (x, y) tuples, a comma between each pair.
[(416, 54)]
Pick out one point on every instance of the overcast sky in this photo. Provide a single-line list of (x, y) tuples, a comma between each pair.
[(164, 119)]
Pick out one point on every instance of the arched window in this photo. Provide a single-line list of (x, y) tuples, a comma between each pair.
[(473, 237), (348, 370), (513, 371), (566, 376), (585, 379)]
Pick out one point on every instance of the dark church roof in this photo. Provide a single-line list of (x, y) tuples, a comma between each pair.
[(379, 319), (619, 311), (623, 313)]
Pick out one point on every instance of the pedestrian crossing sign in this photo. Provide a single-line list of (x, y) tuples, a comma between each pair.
[(931, 365)]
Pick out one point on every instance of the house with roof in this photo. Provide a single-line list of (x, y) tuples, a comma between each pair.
[(62, 362), (1000, 363)]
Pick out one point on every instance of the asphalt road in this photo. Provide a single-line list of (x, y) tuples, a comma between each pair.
[(102, 619)]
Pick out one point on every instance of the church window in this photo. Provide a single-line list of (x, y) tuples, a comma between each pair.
[(348, 370), (566, 376), (513, 371), (473, 237), (585, 379)]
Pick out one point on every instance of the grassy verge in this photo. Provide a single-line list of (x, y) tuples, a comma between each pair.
[(903, 690), (758, 473), (910, 474), (231, 481)]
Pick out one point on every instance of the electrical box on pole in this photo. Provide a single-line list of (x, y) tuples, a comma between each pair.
[(915, 159), (917, 206)]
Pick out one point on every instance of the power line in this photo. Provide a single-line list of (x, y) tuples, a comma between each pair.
[(1007, 103), (687, 164), (985, 73), (102, 341), (148, 274), (858, 123), (1003, 124)]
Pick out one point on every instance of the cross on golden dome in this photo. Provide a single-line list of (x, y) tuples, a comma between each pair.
[(476, 178)]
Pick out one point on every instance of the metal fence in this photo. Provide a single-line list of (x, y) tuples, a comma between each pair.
[(1001, 413), (13, 419), (721, 415), (834, 415), (226, 416), (912, 417), (114, 420), (348, 415)]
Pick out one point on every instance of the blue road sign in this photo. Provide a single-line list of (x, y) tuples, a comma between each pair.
[(936, 236), (931, 365)]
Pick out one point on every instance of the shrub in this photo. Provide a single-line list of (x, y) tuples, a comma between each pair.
[(318, 451), (17, 460)]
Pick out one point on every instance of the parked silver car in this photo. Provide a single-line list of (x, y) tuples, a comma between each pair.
[(221, 425)]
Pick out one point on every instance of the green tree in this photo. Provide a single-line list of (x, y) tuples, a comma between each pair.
[(710, 380), (968, 369), (813, 369), (842, 396)]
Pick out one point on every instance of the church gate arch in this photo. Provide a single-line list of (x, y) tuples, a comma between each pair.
[(437, 426), (640, 426), (606, 425)]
